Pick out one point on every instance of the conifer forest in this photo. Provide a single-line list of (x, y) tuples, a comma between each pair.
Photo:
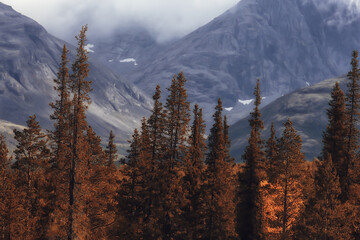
[(176, 182)]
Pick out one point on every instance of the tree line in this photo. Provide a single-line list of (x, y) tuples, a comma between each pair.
[(175, 182)]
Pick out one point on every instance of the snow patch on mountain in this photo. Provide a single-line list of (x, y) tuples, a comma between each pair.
[(245, 102), (89, 47), (229, 109), (129, 60)]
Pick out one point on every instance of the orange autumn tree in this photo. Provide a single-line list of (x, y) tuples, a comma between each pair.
[(10, 210), (31, 169), (284, 200)]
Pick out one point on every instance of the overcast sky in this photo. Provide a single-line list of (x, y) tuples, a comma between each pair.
[(166, 19)]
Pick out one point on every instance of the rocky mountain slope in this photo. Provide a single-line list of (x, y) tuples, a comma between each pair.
[(288, 44), (305, 107), (28, 64)]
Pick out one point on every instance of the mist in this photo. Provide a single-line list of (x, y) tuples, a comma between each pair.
[(164, 19)]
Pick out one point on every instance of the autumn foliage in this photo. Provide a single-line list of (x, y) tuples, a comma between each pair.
[(175, 181)]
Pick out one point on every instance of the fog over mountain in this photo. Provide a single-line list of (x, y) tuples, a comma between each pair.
[(165, 20), (288, 44)]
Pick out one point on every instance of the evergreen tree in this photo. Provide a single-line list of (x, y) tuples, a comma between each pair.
[(111, 150), (334, 138), (147, 191), (7, 197), (176, 131), (128, 198), (136, 190), (324, 218), (288, 201), (156, 124), (156, 130), (271, 154), (193, 196), (61, 152), (352, 137), (177, 119), (100, 194), (249, 216), (78, 223), (31, 171), (219, 186)]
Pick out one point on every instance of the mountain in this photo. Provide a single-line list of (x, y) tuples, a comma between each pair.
[(288, 44), (29, 61), (306, 108), (125, 50)]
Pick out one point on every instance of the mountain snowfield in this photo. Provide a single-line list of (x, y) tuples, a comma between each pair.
[(28, 64)]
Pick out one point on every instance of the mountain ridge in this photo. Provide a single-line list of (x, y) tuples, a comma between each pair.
[(29, 63)]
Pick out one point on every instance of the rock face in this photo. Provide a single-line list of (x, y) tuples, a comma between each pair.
[(288, 44), (28, 64), (126, 50), (306, 108)]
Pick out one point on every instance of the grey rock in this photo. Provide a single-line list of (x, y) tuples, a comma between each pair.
[(29, 61), (306, 108), (288, 44)]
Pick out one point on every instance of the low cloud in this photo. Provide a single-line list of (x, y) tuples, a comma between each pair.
[(346, 12), (163, 18)]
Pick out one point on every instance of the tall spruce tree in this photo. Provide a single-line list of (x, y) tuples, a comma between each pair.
[(335, 136), (249, 216), (323, 216), (353, 134), (177, 119), (31, 173), (136, 190), (61, 153), (193, 197), (271, 154), (8, 201), (289, 200), (111, 150), (100, 194), (219, 186), (156, 130), (128, 201), (147, 191), (176, 131), (78, 223)]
